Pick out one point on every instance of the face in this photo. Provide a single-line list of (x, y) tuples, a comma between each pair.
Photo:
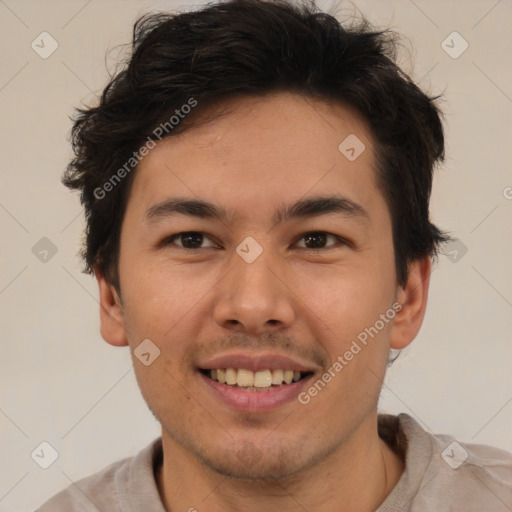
[(290, 267)]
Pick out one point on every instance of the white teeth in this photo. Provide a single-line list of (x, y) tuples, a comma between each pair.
[(262, 379), (231, 376), (277, 377), (221, 376), (288, 376), (245, 378)]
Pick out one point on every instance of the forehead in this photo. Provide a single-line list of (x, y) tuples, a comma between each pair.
[(250, 152)]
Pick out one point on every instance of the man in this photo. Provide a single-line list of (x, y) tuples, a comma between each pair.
[(256, 185)]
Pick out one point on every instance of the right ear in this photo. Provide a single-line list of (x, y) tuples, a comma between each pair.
[(112, 325)]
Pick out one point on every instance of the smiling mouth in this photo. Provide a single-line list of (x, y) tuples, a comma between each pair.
[(263, 380)]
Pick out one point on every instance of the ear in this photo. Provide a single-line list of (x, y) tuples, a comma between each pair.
[(112, 325), (413, 299)]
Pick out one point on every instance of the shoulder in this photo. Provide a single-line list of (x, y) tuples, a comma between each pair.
[(106, 489), (89, 493), (454, 475), (456, 454)]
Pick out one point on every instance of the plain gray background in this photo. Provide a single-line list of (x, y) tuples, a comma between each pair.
[(62, 384)]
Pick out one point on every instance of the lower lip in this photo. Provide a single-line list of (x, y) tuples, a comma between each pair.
[(256, 401)]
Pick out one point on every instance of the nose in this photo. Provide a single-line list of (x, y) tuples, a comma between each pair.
[(253, 298)]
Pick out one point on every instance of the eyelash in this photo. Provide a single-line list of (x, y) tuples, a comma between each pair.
[(341, 242)]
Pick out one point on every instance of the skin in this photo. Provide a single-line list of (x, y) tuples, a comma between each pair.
[(264, 153)]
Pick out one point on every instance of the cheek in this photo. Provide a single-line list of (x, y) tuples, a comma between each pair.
[(345, 307), (158, 294), (344, 299)]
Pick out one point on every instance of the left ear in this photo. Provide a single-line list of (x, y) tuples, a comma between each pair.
[(413, 298)]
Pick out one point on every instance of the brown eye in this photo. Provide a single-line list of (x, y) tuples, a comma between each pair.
[(318, 240), (189, 240)]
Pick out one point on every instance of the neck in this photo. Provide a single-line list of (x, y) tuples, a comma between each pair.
[(357, 477)]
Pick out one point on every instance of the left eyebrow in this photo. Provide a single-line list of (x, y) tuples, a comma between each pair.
[(304, 208), (322, 205)]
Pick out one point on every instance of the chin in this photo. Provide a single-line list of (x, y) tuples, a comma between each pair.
[(267, 468), (254, 459)]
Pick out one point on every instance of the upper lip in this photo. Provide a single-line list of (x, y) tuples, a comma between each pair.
[(256, 362)]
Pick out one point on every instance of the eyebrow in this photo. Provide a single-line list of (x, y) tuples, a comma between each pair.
[(304, 208)]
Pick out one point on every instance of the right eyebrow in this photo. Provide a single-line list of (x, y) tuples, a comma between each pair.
[(191, 207)]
